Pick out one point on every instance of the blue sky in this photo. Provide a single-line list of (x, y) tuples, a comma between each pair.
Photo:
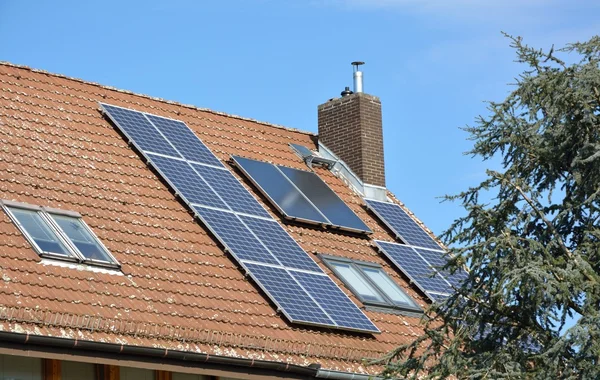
[(432, 63)]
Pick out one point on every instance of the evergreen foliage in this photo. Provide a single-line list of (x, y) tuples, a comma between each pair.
[(530, 235)]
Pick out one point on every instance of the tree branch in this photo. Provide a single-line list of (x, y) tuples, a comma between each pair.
[(550, 226)]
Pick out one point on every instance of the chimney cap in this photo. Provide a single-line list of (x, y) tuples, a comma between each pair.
[(356, 64)]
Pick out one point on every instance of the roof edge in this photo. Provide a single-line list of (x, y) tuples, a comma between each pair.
[(30, 341), (171, 102), (83, 322), (339, 375)]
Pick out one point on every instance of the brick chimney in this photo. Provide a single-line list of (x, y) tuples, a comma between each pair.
[(351, 127)]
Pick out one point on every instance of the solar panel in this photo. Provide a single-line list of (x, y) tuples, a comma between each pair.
[(137, 128), (231, 190), (234, 235), (438, 297), (302, 150), (238, 220), (184, 140), (280, 243), (438, 260), (405, 227), (301, 195), (293, 301), (413, 265), (186, 181), (421, 253), (339, 307), (279, 190), (326, 201)]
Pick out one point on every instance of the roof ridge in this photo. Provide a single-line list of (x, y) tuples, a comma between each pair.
[(171, 102)]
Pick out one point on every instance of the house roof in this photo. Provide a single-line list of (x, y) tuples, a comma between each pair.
[(178, 289)]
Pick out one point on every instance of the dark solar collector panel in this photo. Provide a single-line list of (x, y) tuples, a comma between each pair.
[(280, 191), (405, 227), (301, 195), (325, 200)]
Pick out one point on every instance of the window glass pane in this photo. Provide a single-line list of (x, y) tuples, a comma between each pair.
[(81, 237), (77, 370), (39, 231), (20, 367), (129, 373), (386, 284), (354, 279)]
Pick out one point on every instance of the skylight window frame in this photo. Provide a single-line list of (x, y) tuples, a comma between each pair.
[(357, 265), (113, 263), (45, 214)]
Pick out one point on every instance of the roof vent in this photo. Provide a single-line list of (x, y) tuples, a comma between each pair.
[(358, 76), (313, 158), (346, 92)]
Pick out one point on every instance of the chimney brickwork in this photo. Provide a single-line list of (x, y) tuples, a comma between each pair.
[(351, 127)]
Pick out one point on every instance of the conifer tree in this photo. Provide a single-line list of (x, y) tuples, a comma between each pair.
[(530, 235)]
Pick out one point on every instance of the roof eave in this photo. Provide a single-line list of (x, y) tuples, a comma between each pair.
[(42, 343)]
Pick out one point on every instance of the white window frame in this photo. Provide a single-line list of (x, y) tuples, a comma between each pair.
[(45, 214), (388, 303)]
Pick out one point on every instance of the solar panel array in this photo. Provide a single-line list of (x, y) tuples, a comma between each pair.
[(301, 195), (287, 274), (421, 258)]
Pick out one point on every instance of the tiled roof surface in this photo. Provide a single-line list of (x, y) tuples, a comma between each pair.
[(178, 289)]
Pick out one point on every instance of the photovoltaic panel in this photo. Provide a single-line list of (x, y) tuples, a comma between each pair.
[(281, 192), (438, 260), (235, 236), (324, 199), (280, 243), (296, 303), (435, 258), (257, 242), (438, 297), (137, 127), (339, 307), (231, 190), (413, 265), (292, 299), (186, 181), (421, 253), (184, 140), (405, 227)]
